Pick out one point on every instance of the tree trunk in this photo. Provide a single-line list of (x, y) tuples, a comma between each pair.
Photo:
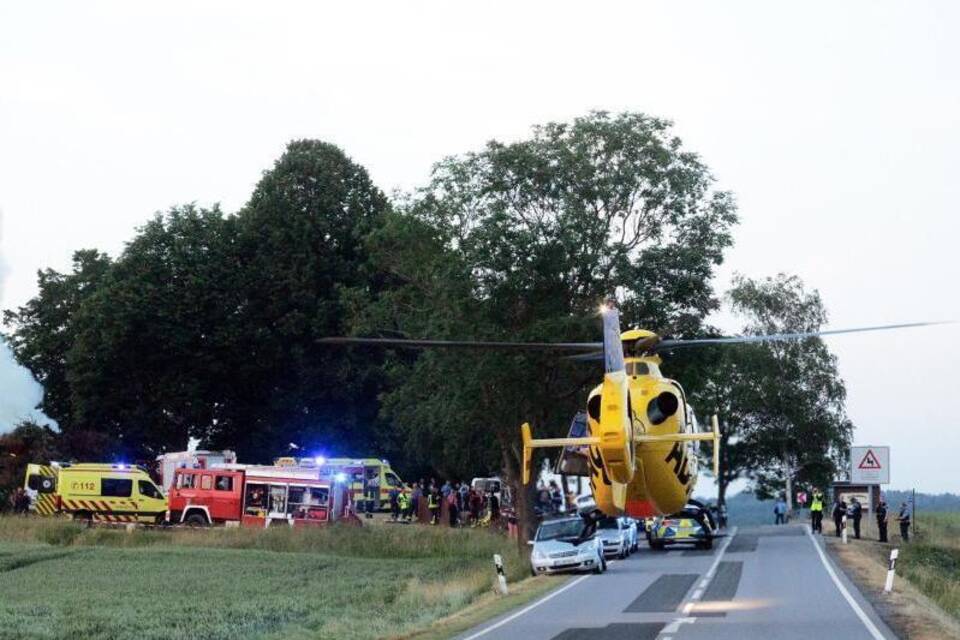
[(788, 479), (522, 495)]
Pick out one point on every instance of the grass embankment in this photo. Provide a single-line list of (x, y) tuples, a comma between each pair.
[(932, 561), (58, 580)]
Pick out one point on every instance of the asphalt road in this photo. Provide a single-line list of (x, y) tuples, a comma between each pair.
[(763, 582)]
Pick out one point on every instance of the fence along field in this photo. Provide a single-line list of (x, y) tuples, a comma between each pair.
[(58, 580)]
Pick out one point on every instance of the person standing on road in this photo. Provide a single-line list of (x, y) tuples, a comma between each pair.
[(403, 504), (394, 503), (415, 499), (855, 512), (904, 519), (882, 519), (839, 510), (493, 503), (433, 503), (556, 498), (464, 502), (780, 511), (476, 505), (816, 512), (453, 508)]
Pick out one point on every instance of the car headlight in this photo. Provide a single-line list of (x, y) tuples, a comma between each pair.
[(539, 555)]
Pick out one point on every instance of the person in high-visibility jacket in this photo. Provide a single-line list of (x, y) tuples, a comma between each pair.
[(403, 500), (816, 512)]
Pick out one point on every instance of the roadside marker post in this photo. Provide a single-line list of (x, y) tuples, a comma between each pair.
[(843, 528), (888, 587), (501, 577)]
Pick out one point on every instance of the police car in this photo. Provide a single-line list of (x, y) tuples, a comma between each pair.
[(691, 526)]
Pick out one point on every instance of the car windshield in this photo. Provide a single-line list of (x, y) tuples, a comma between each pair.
[(608, 523), (559, 530)]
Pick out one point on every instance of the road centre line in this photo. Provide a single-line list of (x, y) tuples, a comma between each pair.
[(674, 626), (864, 618), (536, 604)]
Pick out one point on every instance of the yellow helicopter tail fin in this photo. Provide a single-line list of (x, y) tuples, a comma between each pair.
[(529, 444), (527, 450)]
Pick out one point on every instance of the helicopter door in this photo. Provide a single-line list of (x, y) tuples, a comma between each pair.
[(574, 461)]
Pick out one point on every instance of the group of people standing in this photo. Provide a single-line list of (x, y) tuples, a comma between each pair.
[(550, 500), (853, 513), (463, 504)]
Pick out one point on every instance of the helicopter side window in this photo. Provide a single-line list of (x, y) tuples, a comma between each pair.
[(637, 369)]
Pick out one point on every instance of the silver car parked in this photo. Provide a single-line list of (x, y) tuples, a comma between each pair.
[(558, 547)]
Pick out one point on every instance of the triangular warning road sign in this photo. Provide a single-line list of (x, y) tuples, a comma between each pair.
[(869, 461)]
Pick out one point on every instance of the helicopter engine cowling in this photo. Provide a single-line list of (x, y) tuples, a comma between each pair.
[(669, 468)]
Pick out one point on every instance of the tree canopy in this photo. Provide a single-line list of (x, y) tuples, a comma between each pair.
[(207, 324), (781, 403)]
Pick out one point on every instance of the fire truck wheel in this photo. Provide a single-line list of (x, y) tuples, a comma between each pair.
[(196, 520), (83, 517)]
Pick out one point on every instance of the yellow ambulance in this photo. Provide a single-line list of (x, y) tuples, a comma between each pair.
[(370, 479), (95, 491)]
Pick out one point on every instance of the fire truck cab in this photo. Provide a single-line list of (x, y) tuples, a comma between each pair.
[(248, 495)]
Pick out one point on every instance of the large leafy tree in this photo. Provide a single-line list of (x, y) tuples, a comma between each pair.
[(153, 349), (301, 246), (206, 324), (42, 330), (781, 403), (521, 241)]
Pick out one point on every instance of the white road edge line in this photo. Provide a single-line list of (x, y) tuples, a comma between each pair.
[(536, 604), (864, 618), (723, 550)]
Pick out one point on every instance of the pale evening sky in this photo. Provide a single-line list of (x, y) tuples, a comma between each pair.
[(836, 125)]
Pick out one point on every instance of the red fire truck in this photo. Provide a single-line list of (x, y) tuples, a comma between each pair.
[(251, 495)]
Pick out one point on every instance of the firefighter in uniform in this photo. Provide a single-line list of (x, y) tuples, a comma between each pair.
[(816, 512)]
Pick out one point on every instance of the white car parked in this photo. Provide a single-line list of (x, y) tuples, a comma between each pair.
[(557, 547), (632, 532), (615, 536)]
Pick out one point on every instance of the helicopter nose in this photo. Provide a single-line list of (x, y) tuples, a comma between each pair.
[(662, 407)]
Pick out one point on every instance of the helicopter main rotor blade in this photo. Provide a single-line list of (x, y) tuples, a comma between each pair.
[(664, 345), (465, 344)]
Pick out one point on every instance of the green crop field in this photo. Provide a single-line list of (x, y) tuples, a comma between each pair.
[(932, 560), (58, 580)]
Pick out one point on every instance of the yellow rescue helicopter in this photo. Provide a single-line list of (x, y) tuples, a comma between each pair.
[(639, 444)]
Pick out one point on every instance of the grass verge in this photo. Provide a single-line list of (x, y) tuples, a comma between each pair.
[(59, 580), (932, 560), (921, 604)]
